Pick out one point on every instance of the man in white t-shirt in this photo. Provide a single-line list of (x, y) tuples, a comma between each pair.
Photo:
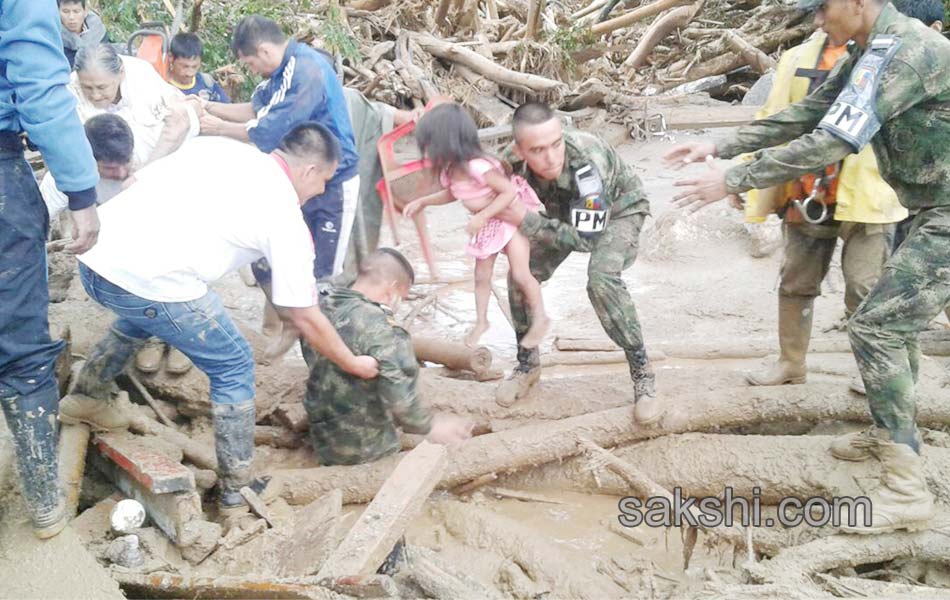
[(240, 205)]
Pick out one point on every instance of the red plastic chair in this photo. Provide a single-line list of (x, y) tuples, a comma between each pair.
[(404, 182)]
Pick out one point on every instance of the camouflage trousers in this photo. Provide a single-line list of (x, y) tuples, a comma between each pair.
[(613, 252), (914, 288)]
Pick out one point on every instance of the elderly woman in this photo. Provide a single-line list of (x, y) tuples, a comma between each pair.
[(160, 116)]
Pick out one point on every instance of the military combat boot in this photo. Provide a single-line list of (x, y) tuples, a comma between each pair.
[(902, 501), (100, 414), (517, 385), (32, 421), (794, 332), (234, 446), (648, 408), (149, 358), (177, 363), (858, 446)]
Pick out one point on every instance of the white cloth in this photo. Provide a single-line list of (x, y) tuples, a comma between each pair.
[(200, 213), (351, 203), (144, 106)]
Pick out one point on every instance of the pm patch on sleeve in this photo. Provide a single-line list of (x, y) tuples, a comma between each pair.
[(852, 116)]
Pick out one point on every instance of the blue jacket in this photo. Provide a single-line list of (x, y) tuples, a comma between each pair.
[(34, 98), (303, 88)]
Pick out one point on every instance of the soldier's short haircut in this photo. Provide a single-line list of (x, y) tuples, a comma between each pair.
[(387, 264), (68, 2), (927, 12), (312, 143), (253, 31), (110, 138), (531, 113)]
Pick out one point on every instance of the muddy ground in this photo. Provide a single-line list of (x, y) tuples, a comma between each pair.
[(695, 284)]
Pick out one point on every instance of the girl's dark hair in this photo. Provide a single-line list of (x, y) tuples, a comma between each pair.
[(448, 137)]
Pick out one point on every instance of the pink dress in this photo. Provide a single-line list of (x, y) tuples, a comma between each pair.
[(495, 235)]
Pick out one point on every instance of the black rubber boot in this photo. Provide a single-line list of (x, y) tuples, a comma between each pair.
[(32, 421), (395, 559), (234, 445)]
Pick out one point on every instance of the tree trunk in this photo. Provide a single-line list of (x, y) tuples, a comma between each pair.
[(635, 16)]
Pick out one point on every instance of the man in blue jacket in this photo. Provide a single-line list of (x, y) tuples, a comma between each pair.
[(34, 99), (300, 86)]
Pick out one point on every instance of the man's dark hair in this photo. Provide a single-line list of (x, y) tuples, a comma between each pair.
[(448, 137), (386, 264), (531, 113), (111, 138), (186, 45), (927, 12), (313, 142), (251, 32), (62, 2)]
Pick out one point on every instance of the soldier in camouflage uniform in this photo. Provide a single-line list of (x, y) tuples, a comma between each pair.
[(892, 91), (354, 420), (551, 159)]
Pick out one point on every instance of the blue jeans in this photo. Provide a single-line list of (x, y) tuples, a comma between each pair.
[(27, 354), (201, 329)]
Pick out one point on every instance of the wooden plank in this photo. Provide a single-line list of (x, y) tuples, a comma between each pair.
[(257, 505), (73, 443), (158, 473), (313, 534), (401, 497)]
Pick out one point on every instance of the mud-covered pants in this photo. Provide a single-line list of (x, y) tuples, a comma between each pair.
[(28, 390), (810, 248), (913, 289), (610, 254)]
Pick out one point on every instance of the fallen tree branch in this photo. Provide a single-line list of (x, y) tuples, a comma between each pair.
[(674, 19), (485, 67), (760, 62), (635, 16)]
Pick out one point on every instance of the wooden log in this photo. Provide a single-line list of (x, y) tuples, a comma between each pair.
[(530, 446), (543, 561), (73, 443), (439, 580), (478, 63), (674, 19), (833, 552), (452, 354), (635, 16), (533, 22), (385, 520), (173, 585), (767, 467), (760, 62)]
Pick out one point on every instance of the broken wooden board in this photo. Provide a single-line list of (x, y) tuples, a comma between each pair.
[(172, 585), (385, 519), (73, 443), (312, 537), (364, 586), (154, 470), (257, 505)]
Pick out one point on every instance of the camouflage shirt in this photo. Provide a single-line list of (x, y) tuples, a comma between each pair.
[(623, 191), (912, 103), (354, 420)]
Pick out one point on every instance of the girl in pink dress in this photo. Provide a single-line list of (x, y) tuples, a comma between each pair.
[(448, 137)]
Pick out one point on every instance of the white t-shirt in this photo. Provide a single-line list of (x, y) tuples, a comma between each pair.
[(197, 214), (57, 202)]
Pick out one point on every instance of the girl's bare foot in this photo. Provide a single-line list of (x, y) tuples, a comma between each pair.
[(537, 331), (476, 333)]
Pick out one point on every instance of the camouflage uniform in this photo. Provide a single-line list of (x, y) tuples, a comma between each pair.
[(354, 420), (553, 238), (913, 106)]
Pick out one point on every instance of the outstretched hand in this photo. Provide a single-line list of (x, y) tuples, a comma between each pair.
[(681, 155), (705, 188)]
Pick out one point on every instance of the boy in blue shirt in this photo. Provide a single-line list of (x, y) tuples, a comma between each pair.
[(184, 69)]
